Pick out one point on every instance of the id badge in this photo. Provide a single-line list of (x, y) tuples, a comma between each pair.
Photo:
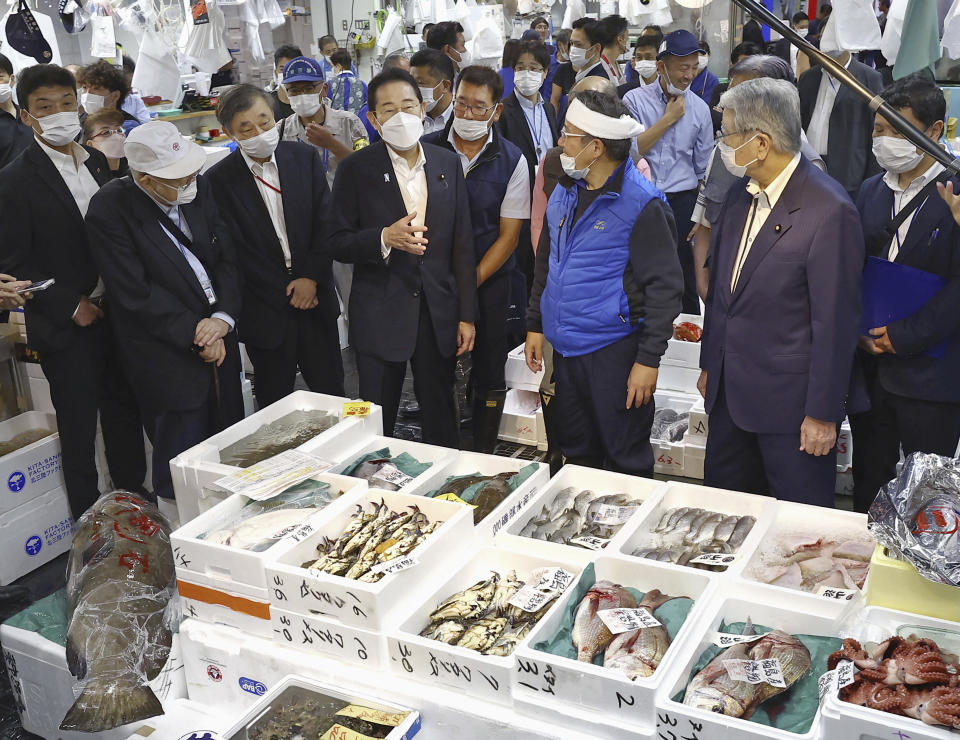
[(208, 291)]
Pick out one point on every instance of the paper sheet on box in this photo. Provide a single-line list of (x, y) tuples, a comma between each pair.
[(272, 476)]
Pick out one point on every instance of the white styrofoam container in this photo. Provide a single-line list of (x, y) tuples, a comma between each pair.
[(435, 455), (602, 482), (840, 719), (367, 605), (182, 719), (844, 447), (233, 604), (231, 564), (519, 422), (33, 469), (520, 376), (246, 390), (765, 608), (668, 457), (329, 637), (699, 421), (431, 661), (33, 534), (684, 353), (602, 691), (694, 455), (636, 534), (674, 376), (792, 519), (44, 689), (197, 468), (467, 463)]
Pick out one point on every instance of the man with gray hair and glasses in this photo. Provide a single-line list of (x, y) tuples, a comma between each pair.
[(783, 311)]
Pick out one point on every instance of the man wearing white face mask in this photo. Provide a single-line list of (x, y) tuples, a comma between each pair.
[(448, 38), (910, 365), (643, 65), (433, 72), (706, 81), (400, 214), (14, 135), (171, 274), (586, 47), (105, 88)]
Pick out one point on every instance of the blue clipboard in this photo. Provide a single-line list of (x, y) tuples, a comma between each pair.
[(893, 292)]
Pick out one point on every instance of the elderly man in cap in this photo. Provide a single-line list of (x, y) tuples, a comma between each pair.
[(170, 272), (783, 314), (607, 305), (677, 142)]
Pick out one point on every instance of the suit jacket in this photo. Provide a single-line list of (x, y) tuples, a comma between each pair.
[(386, 294), (266, 307), (42, 236), (14, 138), (514, 128), (155, 298), (850, 158), (932, 244), (781, 48), (783, 342)]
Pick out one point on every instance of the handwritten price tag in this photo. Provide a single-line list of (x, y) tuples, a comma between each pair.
[(529, 599), (837, 594), (613, 514), (395, 565), (554, 579), (390, 473), (627, 620), (726, 639), (714, 558), (756, 671), (356, 408), (590, 542)]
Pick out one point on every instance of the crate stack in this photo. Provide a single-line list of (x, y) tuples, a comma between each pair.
[(522, 421)]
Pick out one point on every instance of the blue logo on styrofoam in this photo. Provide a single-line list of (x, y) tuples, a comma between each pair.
[(16, 481), (33, 545), (199, 735), (252, 687)]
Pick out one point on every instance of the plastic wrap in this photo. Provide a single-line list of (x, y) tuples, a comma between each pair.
[(917, 516), (120, 583), (280, 435), (669, 425)]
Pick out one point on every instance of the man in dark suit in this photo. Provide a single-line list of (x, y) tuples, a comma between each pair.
[(838, 123), (44, 194), (274, 195), (400, 214), (783, 310), (170, 272), (787, 51), (914, 397)]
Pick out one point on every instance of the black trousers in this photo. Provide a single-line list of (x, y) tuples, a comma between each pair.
[(682, 204), (310, 343), (491, 346), (381, 382), (593, 423), (894, 422), (86, 378)]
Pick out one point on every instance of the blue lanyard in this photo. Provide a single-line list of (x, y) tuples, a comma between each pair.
[(326, 160), (535, 129)]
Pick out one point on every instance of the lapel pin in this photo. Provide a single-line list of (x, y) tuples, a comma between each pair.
[(777, 228), (443, 176)]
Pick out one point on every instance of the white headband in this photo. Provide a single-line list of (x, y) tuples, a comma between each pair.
[(601, 126)]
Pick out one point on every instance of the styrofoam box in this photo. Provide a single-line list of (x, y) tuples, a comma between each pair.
[(684, 353), (329, 637), (44, 688), (595, 688), (602, 482), (34, 534), (233, 604), (520, 376), (198, 467), (518, 424), (404, 731), (673, 376), (231, 564), (466, 463), (183, 719), (31, 470), (763, 607), (840, 719), (639, 533), (699, 421), (345, 455), (482, 676), (844, 447), (694, 455), (367, 605), (668, 456)]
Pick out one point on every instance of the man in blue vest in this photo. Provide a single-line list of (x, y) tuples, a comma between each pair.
[(607, 287), (499, 186)]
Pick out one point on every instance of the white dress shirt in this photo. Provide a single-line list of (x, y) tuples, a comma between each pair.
[(537, 123), (818, 130), (432, 125), (413, 188), (902, 197), (516, 201), (267, 177), (764, 199)]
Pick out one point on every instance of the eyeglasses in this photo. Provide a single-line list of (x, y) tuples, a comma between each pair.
[(109, 132), (387, 113), (460, 108), (564, 132)]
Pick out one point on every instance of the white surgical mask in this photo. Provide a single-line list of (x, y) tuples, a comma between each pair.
[(729, 156), (185, 193), (578, 57), (569, 165), (112, 145), (59, 129), (6, 92), (465, 58), (402, 131), (671, 88), (262, 145), (702, 61), (305, 105), (91, 102), (427, 94), (895, 154), (527, 81), (804, 32), (471, 130), (645, 67)]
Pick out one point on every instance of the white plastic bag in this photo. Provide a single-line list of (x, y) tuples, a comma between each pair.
[(890, 43), (853, 26), (951, 31)]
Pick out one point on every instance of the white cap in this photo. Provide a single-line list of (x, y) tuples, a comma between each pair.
[(157, 148)]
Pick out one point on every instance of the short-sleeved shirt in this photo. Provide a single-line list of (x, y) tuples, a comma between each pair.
[(564, 77), (345, 127), (516, 201)]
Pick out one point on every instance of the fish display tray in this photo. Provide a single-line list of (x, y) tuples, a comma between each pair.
[(431, 661), (896, 584), (199, 467), (763, 607), (299, 687), (367, 605), (576, 720), (682, 353), (791, 518), (235, 604), (233, 565), (840, 719), (518, 375), (600, 481), (33, 469), (639, 533), (434, 454), (607, 693), (329, 637), (465, 463)]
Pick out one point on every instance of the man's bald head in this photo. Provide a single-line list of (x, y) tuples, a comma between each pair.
[(593, 82)]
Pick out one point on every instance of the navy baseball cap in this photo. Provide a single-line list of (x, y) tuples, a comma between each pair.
[(24, 35), (530, 35), (680, 43), (302, 69)]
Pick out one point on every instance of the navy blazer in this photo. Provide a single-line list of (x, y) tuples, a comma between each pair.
[(784, 341), (385, 297), (306, 199), (514, 128), (933, 245)]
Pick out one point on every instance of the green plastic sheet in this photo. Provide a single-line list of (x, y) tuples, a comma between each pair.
[(47, 617), (404, 462)]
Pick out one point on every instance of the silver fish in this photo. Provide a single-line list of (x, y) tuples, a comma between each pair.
[(725, 528), (741, 531), (708, 529), (562, 502)]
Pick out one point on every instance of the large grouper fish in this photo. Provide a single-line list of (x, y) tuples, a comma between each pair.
[(120, 579)]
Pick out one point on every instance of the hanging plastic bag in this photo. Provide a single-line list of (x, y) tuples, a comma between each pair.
[(157, 72), (575, 9), (103, 39), (890, 43), (951, 31), (852, 26)]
